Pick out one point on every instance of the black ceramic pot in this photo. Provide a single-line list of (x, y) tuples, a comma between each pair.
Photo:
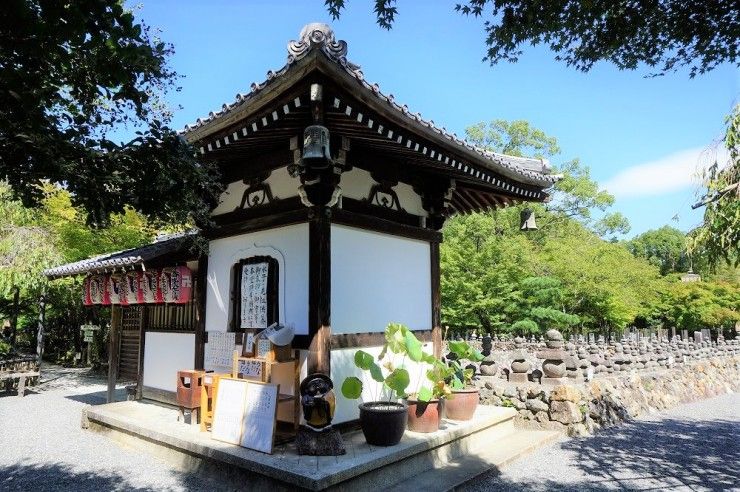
[(383, 423)]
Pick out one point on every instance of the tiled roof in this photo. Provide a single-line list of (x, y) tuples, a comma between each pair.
[(320, 37), (123, 259)]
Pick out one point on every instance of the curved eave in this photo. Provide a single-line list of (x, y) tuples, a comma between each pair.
[(278, 83)]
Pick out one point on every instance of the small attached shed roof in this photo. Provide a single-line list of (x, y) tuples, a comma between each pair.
[(173, 246)]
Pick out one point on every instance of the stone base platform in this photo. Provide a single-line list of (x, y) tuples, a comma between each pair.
[(456, 453)]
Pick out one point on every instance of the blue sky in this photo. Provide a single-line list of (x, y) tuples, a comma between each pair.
[(642, 137)]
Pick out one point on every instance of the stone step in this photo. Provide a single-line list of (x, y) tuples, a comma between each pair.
[(467, 468)]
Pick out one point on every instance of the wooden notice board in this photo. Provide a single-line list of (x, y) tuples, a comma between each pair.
[(256, 292), (260, 418), (245, 413)]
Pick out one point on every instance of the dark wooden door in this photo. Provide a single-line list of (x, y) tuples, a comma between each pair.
[(128, 362)]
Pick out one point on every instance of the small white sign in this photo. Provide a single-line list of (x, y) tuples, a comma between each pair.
[(249, 368), (228, 417), (261, 414)]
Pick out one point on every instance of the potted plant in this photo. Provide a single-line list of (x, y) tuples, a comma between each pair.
[(383, 421), (465, 397), (426, 403), (426, 406)]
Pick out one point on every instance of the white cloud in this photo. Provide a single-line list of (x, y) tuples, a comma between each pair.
[(673, 172)]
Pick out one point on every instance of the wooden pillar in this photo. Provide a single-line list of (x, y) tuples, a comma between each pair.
[(113, 348), (201, 288), (319, 293), (436, 300), (14, 317), (40, 332), (143, 323)]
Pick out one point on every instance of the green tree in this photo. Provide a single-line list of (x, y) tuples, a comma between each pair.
[(75, 73), (718, 238), (664, 35), (664, 247), (606, 286), (576, 195), (33, 239), (482, 261), (543, 307), (697, 305)]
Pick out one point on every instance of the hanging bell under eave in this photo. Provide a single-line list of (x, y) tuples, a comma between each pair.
[(316, 147), (527, 222)]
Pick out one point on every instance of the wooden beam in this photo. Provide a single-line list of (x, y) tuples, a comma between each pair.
[(365, 208), (201, 290), (385, 226), (259, 223), (271, 209), (41, 327), (113, 348), (319, 292), (14, 316), (374, 339), (436, 299), (143, 319)]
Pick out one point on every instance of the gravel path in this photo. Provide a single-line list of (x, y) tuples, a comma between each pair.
[(43, 448), (690, 447)]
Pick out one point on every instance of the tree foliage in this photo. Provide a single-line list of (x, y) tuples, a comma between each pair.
[(576, 195), (664, 247), (664, 35), (54, 232), (73, 74), (718, 238), (697, 305)]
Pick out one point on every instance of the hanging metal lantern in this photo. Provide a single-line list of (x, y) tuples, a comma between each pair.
[(316, 147), (527, 222)]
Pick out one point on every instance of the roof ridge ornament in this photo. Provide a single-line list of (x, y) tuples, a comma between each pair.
[(321, 36)]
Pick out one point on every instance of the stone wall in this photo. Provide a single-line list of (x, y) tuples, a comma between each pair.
[(583, 408)]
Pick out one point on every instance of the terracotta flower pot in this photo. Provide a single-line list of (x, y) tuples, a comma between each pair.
[(462, 405), (383, 423), (425, 416)]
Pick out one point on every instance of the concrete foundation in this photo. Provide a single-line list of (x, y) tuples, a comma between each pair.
[(154, 429)]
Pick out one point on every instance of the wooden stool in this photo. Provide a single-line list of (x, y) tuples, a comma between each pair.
[(207, 399), (189, 386)]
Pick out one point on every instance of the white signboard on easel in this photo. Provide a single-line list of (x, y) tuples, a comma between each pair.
[(258, 431), (228, 414)]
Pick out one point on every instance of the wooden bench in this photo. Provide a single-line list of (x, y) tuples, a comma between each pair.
[(22, 378), (22, 369)]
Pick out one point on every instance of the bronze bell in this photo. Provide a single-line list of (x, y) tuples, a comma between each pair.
[(527, 222), (316, 147)]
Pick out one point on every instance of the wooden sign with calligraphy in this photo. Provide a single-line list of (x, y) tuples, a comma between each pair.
[(260, 418), (256, 292)]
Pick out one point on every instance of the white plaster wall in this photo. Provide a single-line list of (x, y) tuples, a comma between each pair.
[(281, 184), (377, 279), (357, 183), (164, 355), (343, 365), (289, 244)]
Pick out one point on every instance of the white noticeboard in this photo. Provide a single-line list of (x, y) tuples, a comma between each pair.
[(258, 429), (228, 417), (254, 295), (219, 349)]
